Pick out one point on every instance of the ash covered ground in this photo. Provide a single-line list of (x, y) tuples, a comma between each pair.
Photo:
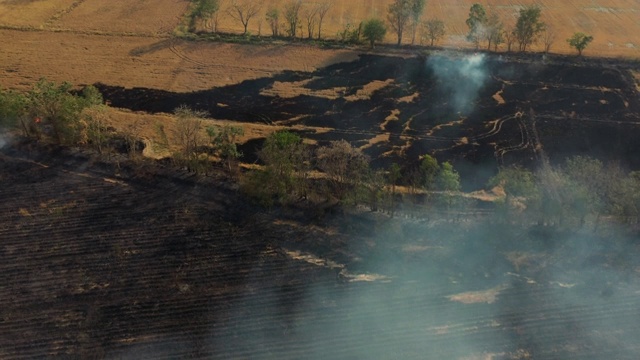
[(98, 265)]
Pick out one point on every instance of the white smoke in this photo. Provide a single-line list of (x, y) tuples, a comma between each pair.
[(3, 141), (461, 78)]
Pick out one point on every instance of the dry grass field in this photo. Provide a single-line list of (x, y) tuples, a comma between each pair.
[(84, 41)]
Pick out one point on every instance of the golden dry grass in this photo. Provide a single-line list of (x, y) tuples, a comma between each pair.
[(132, 16), (138, 61), (31, 13)]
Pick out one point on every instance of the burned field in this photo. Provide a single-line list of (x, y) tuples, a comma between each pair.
[(475, 110), (98, 263)]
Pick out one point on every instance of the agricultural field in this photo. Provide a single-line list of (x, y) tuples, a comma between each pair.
[(118, 258)]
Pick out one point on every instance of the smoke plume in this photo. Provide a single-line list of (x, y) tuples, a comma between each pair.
[(461, 78)]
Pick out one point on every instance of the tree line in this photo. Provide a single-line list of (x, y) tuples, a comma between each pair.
[(304, 19), (581, 190)]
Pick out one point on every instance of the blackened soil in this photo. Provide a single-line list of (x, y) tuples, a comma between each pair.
[(101, 261), (558, 107)]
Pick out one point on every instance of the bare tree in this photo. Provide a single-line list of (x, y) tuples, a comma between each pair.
[(323, 8), (310, 14), (548, 38), (509, 39), (187, 135), (292, 16), (243, 11), (345, 166)]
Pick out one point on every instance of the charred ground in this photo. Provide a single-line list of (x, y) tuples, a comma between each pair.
[(98, 261), (478, 111)]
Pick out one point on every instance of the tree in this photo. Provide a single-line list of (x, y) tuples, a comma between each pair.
[(399, 14), (548, 38), (494, 29), (310, 14), (188, 137), (244, 11), (448, 179), (374, 31), (509, 38), (203, 11), (516, 182), (56, 106), (580, 41), (14, 111), (429, 169), (215, 18), (292, 16), (345, 166), (273, 18), (96, 131), (286, 160), (476, 22), (417, 8), (323, 8), (225, 141), (433, 30), (528, 27)]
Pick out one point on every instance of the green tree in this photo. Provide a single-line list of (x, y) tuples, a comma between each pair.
[(56, 106), (515, 181), (399, 14), (476, 22), (448, 179), (273, 18), (203, 10), (528, 27), (244, 11), (429, 169), (225, 142), (374, 31), (494, 31), (14, 110), (286, 160), (580, 41), (433, 30), (292, 16), (417, 8)]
